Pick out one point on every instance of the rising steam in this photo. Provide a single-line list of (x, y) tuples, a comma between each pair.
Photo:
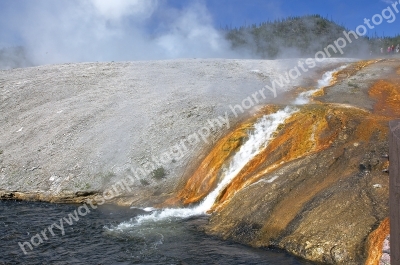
[(121, 30)]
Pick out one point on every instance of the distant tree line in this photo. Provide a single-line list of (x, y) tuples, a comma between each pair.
[(300, 36)]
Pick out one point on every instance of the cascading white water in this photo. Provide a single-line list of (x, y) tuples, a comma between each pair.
[(257, 141), (304, 97)]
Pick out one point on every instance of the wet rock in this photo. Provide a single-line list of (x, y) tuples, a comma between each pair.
[(330, 204)]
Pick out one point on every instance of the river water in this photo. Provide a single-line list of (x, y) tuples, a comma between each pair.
[(94, 239)]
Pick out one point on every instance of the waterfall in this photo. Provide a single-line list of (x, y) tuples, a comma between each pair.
[(257, 141)]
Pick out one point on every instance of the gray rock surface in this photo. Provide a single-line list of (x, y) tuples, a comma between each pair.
[(73, 128)]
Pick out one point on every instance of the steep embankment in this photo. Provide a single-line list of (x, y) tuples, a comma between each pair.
[(319, 188)]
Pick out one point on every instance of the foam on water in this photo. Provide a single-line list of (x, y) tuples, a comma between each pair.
[(304, 97), (257, 141)]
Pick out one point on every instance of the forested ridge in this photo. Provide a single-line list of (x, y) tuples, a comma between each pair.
[(300, 36)]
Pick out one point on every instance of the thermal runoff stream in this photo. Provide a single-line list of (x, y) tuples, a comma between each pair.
[(304, 97), (258, 139)]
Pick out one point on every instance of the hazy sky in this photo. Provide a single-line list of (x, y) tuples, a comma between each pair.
[(105, 30)]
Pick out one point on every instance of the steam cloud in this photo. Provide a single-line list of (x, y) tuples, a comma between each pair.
[(118, 30)]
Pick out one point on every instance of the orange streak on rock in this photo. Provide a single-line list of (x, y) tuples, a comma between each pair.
[(206, 176), (375, 242), (290, 206), (364, 132), (387, 96), (309, 131)]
